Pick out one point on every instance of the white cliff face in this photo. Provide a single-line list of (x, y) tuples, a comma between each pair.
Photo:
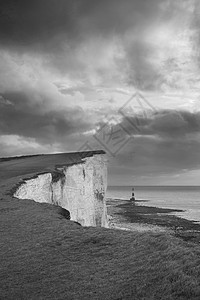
[(79, 188)]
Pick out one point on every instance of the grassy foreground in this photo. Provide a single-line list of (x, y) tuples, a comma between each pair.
[(45, 256)]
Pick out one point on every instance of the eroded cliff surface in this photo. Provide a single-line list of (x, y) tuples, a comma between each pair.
[(80, 188)]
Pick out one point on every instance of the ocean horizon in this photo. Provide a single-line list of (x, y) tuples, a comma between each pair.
[(185, 198)]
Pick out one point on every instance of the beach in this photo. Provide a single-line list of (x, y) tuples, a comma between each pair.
[(132, 216)]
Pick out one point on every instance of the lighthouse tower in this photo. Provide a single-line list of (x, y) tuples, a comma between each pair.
[(133, 195)]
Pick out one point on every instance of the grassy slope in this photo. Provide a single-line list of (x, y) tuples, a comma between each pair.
[(44, 256)]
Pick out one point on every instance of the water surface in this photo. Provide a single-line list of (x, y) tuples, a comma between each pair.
[(186, 198)]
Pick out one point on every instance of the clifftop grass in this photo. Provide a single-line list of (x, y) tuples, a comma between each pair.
[(45, 256)]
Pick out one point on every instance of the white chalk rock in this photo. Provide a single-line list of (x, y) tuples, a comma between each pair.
[(79, 188)]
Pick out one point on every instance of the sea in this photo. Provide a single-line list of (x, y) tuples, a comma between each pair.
[(185, 198)]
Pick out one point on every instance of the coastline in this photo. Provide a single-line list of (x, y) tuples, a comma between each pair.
[(45, 255), (132, 216)]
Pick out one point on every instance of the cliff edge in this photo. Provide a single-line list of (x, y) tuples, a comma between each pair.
[(77, 185)]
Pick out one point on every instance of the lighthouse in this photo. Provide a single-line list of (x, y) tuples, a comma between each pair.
[(133, 195)]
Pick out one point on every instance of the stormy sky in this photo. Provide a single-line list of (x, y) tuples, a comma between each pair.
[(119, 75)]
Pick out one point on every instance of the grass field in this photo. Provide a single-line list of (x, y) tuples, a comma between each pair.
[(45, 256)]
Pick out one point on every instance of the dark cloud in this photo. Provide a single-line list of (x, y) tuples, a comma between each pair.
[(28, 22), (153, 157), (4, 101), (29, 119), (35, 22), (62, 31), (174, 123), (168, 123), (58, 29), (163, 143)]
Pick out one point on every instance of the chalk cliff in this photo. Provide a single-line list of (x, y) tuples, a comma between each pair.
[(79, 187)]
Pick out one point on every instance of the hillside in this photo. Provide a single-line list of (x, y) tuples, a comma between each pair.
[(45, 256)]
